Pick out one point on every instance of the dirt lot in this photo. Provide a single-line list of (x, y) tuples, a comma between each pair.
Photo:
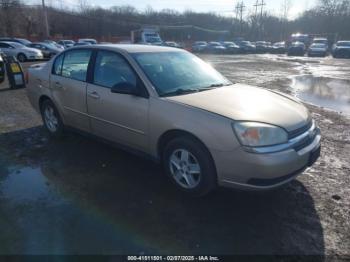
[(79, 196)]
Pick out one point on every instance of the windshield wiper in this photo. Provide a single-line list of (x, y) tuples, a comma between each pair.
[(213, 86), (181, 91)]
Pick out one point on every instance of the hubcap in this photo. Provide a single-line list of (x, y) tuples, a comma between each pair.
[(185, 169), (50, 118)]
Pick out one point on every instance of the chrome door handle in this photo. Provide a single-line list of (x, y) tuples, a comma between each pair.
[(94, 95)]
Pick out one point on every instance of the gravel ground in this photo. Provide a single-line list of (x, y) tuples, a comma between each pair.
[(79, 196)]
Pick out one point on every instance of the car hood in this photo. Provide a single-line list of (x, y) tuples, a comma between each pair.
[(247, 103)]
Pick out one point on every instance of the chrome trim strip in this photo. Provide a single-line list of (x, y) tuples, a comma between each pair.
[(290, 144), (106, 121)]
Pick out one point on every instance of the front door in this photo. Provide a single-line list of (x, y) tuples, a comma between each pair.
[(122, 118)]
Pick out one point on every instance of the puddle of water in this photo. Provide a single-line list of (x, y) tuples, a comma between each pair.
[(325, 92), (50, 221), (28, 185)]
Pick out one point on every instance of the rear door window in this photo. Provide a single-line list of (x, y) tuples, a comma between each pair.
[(75, 64), (57, 66)]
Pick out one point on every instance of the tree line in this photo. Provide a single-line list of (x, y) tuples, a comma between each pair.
[(329, 18)]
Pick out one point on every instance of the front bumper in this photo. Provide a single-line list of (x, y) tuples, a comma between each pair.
[(263, 171), (317, 53)]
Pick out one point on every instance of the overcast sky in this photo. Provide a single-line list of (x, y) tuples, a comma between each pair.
[(224, 7)]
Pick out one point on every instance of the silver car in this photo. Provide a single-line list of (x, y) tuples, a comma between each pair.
[(21, 52), (170, 105)]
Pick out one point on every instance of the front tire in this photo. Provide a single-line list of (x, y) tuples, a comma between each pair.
[(51, 119), (189, 165)]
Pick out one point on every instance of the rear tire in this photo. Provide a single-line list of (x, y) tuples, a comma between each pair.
[(21, 57), (51, 119), (189, 165)]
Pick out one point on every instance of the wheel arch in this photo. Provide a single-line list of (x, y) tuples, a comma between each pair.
[(169, 135), (45, 97), (42, 99)]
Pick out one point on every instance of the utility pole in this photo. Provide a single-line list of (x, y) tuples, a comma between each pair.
[(46, 22), (240, 8), (256, 19), (262, 5)]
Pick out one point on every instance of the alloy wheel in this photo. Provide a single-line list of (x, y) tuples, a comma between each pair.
[(185, 168)]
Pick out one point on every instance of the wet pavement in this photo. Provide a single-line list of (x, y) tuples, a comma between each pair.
[(81, 196), (330, 93)]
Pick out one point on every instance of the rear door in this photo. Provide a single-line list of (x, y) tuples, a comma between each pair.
[(122, 118), (68, 85)]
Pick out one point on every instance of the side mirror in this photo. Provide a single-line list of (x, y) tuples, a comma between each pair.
[(125, 88)]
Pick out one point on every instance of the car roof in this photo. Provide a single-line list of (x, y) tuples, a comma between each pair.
[(8, 42), (131, 48)]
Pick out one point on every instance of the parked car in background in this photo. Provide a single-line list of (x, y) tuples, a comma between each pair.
[(320, 40), (172, 44), (261, 47), (51, 42), (48, 50), (231, 48), (341, 49), (297, 49), (17, 40), (319, 50), (247, 47), (87, 40), (219, 133), (303, 38), (21, 52), (66, 43), (82, 43), (199, 46), (215, 48), (279, 48)]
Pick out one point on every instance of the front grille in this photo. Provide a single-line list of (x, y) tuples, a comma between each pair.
[(303, 143), (299, 131)]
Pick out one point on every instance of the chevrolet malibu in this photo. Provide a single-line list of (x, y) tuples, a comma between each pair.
[(168, 104)]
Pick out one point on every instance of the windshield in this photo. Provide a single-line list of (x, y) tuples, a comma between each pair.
[(24, 41), (175, 73), (318, 46), (320, 41), (343, 44)]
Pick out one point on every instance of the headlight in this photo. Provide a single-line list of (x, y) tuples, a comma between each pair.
[(254, 134)]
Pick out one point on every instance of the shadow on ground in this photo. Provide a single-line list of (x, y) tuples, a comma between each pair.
[(79, 196)]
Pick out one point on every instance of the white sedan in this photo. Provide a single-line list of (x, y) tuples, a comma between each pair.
[(21, 52)]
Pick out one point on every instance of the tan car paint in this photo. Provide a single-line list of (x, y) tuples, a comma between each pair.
[(140, 122)]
